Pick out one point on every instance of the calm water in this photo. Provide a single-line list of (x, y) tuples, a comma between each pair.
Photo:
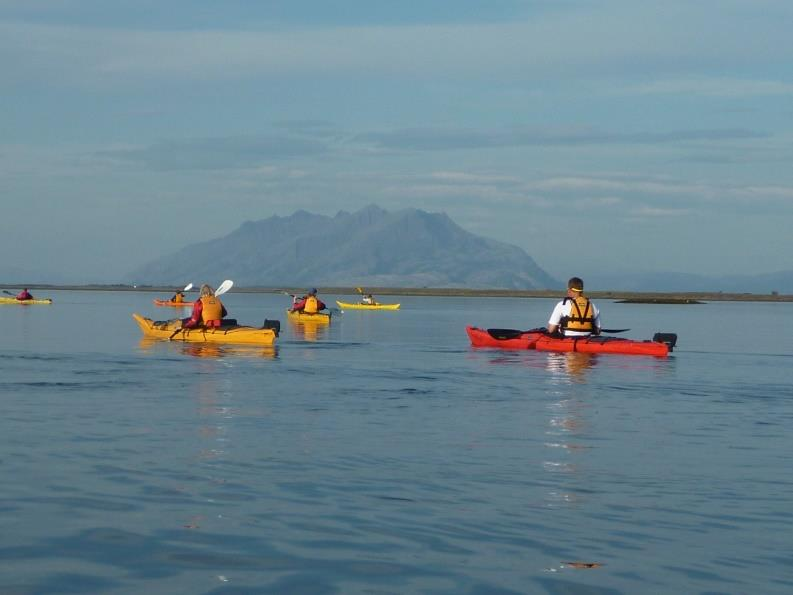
[(384, 455)]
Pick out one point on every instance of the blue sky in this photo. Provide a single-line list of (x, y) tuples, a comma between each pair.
[(599, 136)]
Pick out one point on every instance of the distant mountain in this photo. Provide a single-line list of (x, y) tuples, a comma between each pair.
[(765, 283), (374, 247)]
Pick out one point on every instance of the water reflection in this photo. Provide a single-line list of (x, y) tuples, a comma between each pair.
[(210, 350), (309, 331), (567, 424), (571, 366)]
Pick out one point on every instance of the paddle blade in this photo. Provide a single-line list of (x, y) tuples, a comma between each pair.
[(188, 287), (224, 287), (359, 289)]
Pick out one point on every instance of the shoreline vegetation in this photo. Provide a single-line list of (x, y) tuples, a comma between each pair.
[(630, 297)]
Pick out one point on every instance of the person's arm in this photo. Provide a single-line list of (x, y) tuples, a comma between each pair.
[(556, 317), (195, 317), (223, 311), (596, 320), (299, 305), (320, 305)]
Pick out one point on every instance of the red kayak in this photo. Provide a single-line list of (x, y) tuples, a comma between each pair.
[(660, 346)]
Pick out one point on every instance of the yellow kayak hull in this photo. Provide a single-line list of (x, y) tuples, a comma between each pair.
[(359, 306), (37, 302), (299, 316), (239, 335)]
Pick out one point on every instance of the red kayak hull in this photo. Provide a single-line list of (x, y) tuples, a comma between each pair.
[(481, 338), (602, 345), (542, 342)]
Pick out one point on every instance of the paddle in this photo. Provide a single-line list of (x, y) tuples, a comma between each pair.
[(508, 333), (223, 288), (8, 292)]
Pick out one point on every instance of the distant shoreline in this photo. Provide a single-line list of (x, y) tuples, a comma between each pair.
[(650, 297)]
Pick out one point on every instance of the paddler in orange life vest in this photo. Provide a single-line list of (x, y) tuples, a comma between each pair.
[(310, 303), (24, 295), (178, 298), (208, 310), (575, 315)]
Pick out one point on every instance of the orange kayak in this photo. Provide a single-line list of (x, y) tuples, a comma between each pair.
[(174, 304)]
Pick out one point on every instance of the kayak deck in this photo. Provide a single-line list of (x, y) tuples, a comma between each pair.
[(536, 339), (241, 335), (360, 306), (34, 302), (300, 316), (173, 304)]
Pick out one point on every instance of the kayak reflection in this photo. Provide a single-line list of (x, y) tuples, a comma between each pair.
[(308, 331), (572, 366), (210, 350)]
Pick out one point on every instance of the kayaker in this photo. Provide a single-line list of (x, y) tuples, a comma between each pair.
[(310, 303), (575, 315), (368, 299), (208, 310), (178, 298), (24, 295)]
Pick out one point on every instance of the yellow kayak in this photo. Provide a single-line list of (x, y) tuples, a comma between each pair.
[(241, 335), (360, 306), (299, 316), (10, 300)]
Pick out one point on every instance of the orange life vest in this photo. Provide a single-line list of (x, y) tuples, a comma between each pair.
[(580, 318), (312, 307), (211, 310), (177, 299)]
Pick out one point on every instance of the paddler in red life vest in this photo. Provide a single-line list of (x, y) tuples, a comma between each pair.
[(24, 295), (309, 303), (208, 310), (575, 315)]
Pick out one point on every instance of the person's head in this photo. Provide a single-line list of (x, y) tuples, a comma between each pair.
[(575, 286), (206, 290), (312, 291)]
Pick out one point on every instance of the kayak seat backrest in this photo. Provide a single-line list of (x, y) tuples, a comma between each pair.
[(275, 325), (669, 338)]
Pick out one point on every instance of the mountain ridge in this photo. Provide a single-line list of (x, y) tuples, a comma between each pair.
[(372, 246)]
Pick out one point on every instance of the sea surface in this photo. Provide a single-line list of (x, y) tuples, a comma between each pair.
[(383, 454)]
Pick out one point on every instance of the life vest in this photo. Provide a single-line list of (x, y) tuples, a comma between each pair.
[(580, 318), (177, 299), (312, 307), (211, 311)]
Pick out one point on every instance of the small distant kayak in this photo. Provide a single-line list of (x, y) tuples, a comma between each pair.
[(360, 306), (659, 346), (242, 335), (173, 304), (300, 316), (36, 302)]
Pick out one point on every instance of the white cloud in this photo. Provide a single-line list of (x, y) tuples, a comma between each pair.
[(588, 40)]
